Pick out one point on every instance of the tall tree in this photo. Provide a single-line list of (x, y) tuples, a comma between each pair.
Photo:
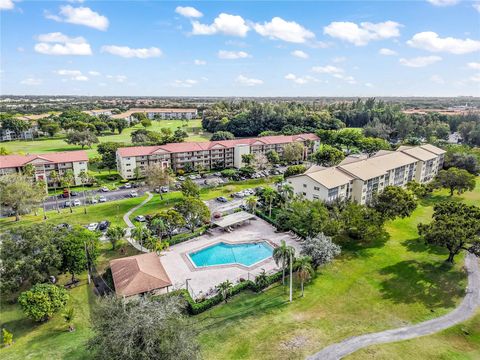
[(108, 152), (321, 249), (304, 270), (455, 226), (172, 221), (82, 138), (225, 288), (18, 194), (293, 152), (157, 176), (67, 181), (269, 195), (190, 189), (194, 211), (394, 202), (328, 155), (56, 179), (42, 301), (114, 234), (142, 329), (455, 179), (281, 255)]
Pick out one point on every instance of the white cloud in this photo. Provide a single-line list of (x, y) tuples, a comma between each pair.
[(387, 52), (188, 11), (475, 78), (329, 69), (127, 52), (199, 62), (248, 81), (443, 2), (368, 84), (75, 1), (300, 54), (31, 81), (80, 16), (476, 6), (59, 44), (300, 80), (430, 41), (231, 55), (437, 79), (7, 5), (225, 24), (94, 73), (420, 61), (347, 78), (188, 83), (280, 29), (72, 74), (117, 78), (474, 65), (363, 34)]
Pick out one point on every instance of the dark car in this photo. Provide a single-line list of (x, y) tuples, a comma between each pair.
[(222, 199), (103, 225), (73, 193)]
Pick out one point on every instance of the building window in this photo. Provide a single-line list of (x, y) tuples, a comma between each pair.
[(304, 185), (316, 188)]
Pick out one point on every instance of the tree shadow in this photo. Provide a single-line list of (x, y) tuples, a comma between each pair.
[(354, 248), (433, 199), (411, 281), (418, 245)]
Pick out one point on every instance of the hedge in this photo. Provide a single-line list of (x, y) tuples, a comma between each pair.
[(195, 308), (177, 239)]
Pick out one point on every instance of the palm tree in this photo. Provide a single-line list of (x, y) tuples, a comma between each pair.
[(139, 233), (304, 269), (67, 180), (55, 179), (114, 235), (154, 244), (158, 226), (286, 192), (29, 171), (251, 202), (281, 254), (269, 195), (68, 316), (224, 289), (42, 195)]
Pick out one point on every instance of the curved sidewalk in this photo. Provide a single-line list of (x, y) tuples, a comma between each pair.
[(465, 310), (130, 226)]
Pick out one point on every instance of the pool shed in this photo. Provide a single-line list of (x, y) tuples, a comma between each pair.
[(231, 220)]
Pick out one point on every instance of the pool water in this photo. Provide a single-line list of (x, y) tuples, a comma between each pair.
[(221, 254)]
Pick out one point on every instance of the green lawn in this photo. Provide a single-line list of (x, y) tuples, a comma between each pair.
[(51, 340), (386, 285), (390, 283), (194, 129)]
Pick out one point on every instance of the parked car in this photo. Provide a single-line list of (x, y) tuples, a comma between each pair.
[(67, 204), (222, 199), (63, 226), (217, 174), (77, 202), (103, 225), (181, 178), (73, 193), (164, 189), (102, 199), (127, 186), (93, 201), (133, 194), (140, 218), (92, 226), (192, 177), (105, 189)]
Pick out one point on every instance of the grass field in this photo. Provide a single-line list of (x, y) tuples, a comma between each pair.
[(390, 283), (194, 130), (386, 285)]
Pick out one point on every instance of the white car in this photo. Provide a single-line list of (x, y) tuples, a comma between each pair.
[(105, 189), (192, 177), (128, 186), (93, 201), (140, 218), (77, 203), (133, 194), (181, 178), (92, 226), (102, 199)]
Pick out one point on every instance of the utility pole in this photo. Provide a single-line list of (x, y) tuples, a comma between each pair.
[(291, 277)]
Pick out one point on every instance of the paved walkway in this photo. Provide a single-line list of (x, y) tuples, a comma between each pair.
[(130, 225), (465, 310)]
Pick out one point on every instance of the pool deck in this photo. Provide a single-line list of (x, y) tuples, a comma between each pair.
[(202, 280)]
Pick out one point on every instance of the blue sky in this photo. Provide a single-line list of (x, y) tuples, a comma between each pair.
[(240, 48)]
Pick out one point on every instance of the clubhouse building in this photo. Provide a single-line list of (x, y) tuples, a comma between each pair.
[(208, 155), (358, 178)]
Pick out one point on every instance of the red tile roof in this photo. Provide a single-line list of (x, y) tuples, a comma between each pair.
[(207, 145), (138, 274), (11, 161)]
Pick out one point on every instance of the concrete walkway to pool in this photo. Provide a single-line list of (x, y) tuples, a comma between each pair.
[(202, 280)]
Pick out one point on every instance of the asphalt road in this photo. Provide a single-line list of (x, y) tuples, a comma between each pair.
[(464, 311)]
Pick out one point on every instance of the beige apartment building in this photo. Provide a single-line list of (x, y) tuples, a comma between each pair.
[(159, 114), (206, 155), (44, 164), (360, 178)]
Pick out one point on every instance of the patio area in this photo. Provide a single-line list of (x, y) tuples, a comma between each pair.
[(201, 280)]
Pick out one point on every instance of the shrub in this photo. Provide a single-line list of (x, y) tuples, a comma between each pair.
[(42, 301), (229, 173), (294, 170), (7, 337)]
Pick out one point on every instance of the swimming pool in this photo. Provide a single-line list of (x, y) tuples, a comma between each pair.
[(221, 253)]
